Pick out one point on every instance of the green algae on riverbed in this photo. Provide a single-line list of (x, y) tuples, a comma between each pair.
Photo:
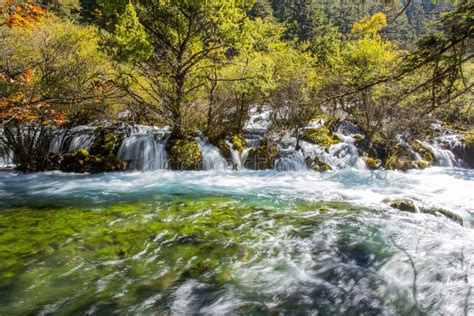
[(123, 252)]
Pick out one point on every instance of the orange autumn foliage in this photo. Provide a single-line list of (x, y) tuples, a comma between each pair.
[(23, 108), (20, 107), (25, 14)]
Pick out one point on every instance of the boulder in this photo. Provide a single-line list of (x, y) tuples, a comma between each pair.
[(184, 154)]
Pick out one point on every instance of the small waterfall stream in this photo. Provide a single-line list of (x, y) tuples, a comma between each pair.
[(212, 159), (145, 149)]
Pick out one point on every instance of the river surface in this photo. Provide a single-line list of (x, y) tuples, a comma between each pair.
[(250, 243)]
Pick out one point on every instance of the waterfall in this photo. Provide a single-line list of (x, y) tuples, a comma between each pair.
[(80, 137), (443, 157), (339, 156), (235, 156), (291, 160), (145, 149), (211, 157), (83, 141)]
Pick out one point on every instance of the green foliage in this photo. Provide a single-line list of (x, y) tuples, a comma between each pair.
[(320, 136), (130, 42)]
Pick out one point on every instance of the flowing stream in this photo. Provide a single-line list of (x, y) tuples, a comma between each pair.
[(245, 242)]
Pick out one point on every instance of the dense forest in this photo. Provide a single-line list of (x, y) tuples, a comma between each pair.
[(202, 67)]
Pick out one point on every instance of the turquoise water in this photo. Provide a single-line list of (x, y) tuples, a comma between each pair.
[(217, 243)]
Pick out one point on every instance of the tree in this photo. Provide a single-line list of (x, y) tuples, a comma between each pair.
[(187, 37), (49, 76), (19, 13), (129, 42)]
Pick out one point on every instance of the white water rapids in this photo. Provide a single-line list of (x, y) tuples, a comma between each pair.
[(371, 259)]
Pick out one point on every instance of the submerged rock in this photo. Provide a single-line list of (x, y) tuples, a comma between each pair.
[(442, 212), (407, 205)]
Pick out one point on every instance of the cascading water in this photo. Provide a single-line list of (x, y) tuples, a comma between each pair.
[(237, 158), (443, 157), (339, 156), (145, 148), (212, 159), (83, 141), (80, 137)]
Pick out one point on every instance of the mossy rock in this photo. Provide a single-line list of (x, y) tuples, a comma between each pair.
[(404, 205), (107, 142), (262, 157), (468, 138), (184, 154), (372, 163), (82, 161), (238, 142), (400, 158), (320, 136), (224, 149), (316, 164), (407, 205), (425, 153), (443, 212)]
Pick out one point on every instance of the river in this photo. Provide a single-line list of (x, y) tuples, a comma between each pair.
[(245, 242)]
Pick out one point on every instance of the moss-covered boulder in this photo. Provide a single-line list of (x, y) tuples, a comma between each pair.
[(404, 205), (82, 161), (316, 164), (224, 149), (427, 156), (107, 142), (320, 136), (262, 157), (238, 142), (400, 158), (372, 163), (407, 205), (184, 154)]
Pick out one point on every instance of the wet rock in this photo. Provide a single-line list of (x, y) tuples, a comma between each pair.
[(407, 205), (224, 149), (107, 141), (372, 163), (400, 158), (262, 157), (466, 151), (317, 165), (184, 154), (442, 212), (82, 161), (404, 205), (238, 142)]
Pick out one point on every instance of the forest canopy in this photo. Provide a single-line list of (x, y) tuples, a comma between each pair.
[(203, 66)]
